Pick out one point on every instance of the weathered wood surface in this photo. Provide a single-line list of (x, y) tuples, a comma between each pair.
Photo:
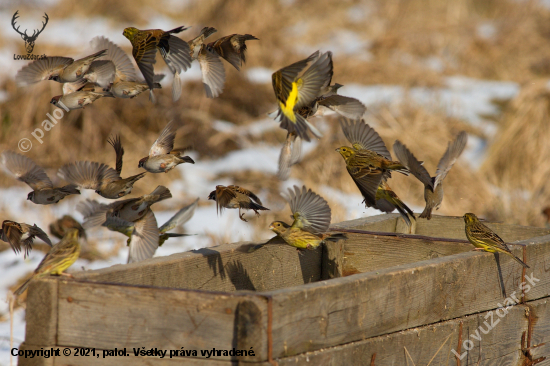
[(227, 267), (386, 222), (453, 227), (433, 344), (41, 316), (106, 316), (370, 304), (363, 253), (538, 345)]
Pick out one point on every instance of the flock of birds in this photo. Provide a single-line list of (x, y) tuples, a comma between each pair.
[(301, 95)]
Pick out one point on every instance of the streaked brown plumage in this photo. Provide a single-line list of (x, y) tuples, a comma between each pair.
[(21, 236), (25, 170), (484, 238), (129, 210), (433, 186), (60, 257), (103, 179), (368, 161), (174, 51), (311, 214), (59, 227), (162, 155), (236, 197)]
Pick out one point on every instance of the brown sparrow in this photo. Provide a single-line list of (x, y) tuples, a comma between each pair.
[(236, 197), (22, 235)]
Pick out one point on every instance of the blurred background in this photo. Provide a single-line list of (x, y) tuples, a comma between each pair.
[(425, 69)]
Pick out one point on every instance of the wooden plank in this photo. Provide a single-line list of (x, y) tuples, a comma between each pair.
[(537, 346), (333, 260), (370, 304), (227, 267), (364, 253), (453, 227), (433, 344), (385, 222), (537, 281), (41, 316), (131, 360), (105, 316), (37, 360)]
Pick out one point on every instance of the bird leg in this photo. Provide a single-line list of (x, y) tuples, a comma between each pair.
[(241, 215), (256, 212)]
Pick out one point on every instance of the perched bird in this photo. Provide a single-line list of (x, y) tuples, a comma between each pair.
[(236, 197), (387, 201), (60, 69), (25, 170), (433, 186), (311, 214), (368, 161), (22, 235), (126, 83), (59, 227), (105, 180), (129, 210), (232, 48), (141, 234), (295, 92), (59, 258), (486, 239), (162, 155), (174, 51), (78, 99)]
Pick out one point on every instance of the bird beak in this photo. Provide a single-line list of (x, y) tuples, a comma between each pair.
[(338, 150), (271, 227)]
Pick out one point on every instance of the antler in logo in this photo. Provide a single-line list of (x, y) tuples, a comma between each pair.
[(29, 40)]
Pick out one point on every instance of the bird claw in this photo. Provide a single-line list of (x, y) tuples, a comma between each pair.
[(242, 218)]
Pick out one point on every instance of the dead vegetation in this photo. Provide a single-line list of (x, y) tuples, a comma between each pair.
[(407, 43)]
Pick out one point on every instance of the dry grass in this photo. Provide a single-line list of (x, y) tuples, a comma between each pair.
[(399, 38)]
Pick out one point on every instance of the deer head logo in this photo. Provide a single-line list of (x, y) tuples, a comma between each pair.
[(29, 40)]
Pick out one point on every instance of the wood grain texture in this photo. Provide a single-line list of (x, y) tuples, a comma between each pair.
[(333, 260), (432, 343), (35, 361), (453, 227), (106, 316), (227, 267), (370, 304), (385, 222), (363, 253), (538, 345), (41, 316)]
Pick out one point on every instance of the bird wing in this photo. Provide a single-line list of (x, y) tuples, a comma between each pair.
[(345, 106), (165, 142), (482, 232), (367, 182), (26, 170), (224, 195), (124, 68), (180, 218), (59, 256), (213, 73), (310, 83), (364, 137), (36, 231), (119, 151), (145, 238), (454, 149), (406, 158), (12, 232), (177, 55), (232, 48), (93, 212), (282, 79), (310, 211), (42, 69), (144, 52), (246, 192), (88, 174)]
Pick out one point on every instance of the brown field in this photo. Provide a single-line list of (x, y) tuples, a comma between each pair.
[(398, 37)]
